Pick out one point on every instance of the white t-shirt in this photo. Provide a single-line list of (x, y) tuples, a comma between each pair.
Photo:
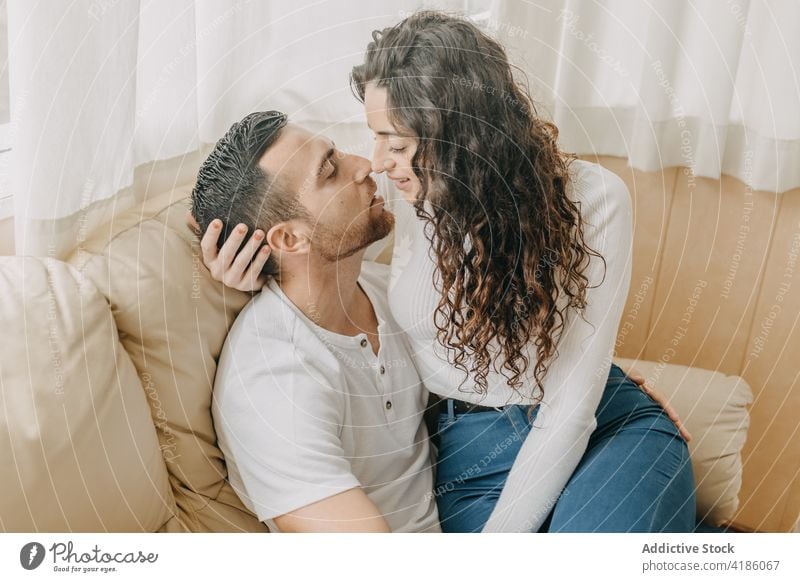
[(302, 413), (576, 378)]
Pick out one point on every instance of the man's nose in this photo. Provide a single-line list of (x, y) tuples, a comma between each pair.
[(362, 170)]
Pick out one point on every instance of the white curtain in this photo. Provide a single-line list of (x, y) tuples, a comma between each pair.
[(713, 85), (103, 91), (100, 88)]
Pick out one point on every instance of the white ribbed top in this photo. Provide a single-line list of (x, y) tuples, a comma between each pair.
[(576, 378)]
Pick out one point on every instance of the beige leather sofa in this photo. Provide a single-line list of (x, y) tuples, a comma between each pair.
[(106, 379), (106, 375)]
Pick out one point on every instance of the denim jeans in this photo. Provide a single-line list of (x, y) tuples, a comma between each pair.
[(635, 476)]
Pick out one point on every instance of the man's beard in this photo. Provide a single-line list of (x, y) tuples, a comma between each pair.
[(336, 244)]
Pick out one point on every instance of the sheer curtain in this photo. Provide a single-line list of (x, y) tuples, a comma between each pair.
[(103, 91), (713, 85), (101, 88)]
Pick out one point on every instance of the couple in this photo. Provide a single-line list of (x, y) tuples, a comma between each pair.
[(506, 312)]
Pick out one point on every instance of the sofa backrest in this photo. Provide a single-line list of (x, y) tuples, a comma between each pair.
[(714, 286), (172, 320)]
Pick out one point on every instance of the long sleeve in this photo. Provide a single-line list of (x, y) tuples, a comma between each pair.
[(577, 377)]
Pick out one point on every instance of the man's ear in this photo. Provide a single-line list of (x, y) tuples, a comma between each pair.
[(290, 237), (192, 223)]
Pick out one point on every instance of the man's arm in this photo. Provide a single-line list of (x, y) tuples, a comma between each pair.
[(349, 511)]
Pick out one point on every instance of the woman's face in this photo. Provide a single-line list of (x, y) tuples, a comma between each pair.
[(393, 149)]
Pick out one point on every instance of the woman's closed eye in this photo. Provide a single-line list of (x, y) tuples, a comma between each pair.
[(397, 150)]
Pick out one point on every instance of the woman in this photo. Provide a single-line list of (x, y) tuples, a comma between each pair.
[(523, 256)]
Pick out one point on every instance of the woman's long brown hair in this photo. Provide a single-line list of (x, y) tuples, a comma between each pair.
[(508, 240)]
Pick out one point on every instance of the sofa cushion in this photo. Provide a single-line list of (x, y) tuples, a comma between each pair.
[(713, 407), (172, 320), (77, 445)]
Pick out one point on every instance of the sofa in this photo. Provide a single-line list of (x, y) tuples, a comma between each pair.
[(106, 377)]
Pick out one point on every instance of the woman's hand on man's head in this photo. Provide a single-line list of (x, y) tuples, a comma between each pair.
[(240, 270)]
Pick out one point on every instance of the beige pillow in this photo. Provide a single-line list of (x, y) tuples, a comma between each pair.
[(172, 320), (713, 407), (77, 444)]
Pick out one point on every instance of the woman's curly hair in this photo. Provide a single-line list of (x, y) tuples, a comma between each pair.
[(508, 241)]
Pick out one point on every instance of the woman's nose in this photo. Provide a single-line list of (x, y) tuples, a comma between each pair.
[(380, 163)]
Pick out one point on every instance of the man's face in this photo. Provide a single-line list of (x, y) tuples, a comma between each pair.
[(335, 189)]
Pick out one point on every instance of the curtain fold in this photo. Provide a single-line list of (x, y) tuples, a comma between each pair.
[(72, 114), (710, 85)]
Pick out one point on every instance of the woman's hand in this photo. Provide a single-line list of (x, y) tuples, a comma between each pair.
[(637, 377), (240, 271)]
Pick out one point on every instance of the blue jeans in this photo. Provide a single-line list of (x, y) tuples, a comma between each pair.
[(635, 476)]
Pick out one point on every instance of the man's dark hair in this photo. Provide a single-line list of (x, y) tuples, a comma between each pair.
[(232, 187)]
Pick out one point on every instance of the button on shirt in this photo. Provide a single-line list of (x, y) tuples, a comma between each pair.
[(302, 413)]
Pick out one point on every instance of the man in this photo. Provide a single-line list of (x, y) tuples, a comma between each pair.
[(317, 403)]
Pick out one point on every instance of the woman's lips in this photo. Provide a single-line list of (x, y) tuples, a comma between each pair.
[(402, 183)]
